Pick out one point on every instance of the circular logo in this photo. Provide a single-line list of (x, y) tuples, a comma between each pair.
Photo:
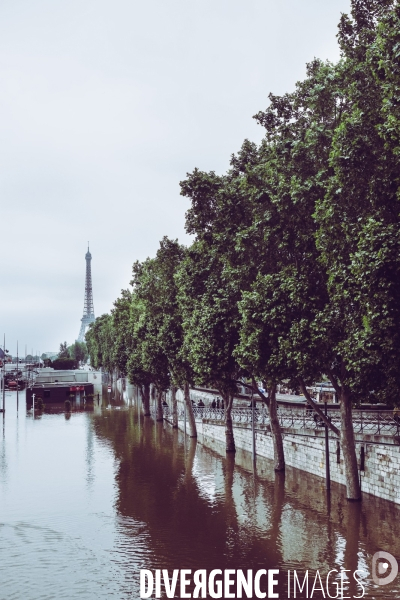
[(381, 561)]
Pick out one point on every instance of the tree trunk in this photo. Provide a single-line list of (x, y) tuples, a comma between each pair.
[(174, 408), (279, 455), (348, 446), (189, 410), (276, 433), (145, 391), (229, 437), (230, 510), (159, 413)]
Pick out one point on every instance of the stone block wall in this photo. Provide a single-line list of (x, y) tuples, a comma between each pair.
[(305, 450)]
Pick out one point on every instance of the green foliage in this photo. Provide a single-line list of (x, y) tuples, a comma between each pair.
[(156, 350), (64, 364), (99, 341), (63, 352), (358, 217), (121, 331), (78, 351), (294, 268), (210, 318)]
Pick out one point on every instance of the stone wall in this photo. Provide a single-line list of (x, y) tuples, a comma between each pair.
[(307, 491), (305, 451)]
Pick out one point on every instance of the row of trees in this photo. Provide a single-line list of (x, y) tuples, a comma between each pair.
[(294, 271)]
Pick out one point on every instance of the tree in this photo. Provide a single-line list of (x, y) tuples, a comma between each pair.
[(63, 352), (157, 329), (208, 291), (100, 342), (64, 364), (121, 323), (78, 351), (291, 173), (165, 309), (358, 224), (147, 362)]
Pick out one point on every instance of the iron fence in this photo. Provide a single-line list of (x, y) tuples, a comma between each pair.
[(365, 422)]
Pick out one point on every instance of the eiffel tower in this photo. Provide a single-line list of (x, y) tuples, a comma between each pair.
[(88, 310)]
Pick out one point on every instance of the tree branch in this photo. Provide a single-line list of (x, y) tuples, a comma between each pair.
[(250, 387), (255, 389), (334, 382), (316, 408)]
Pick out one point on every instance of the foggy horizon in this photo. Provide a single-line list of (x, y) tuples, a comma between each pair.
[(105, 108)]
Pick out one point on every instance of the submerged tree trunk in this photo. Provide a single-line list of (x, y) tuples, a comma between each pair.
[(348, 446), (145, 391), (229, 437), (279, 455), (347, 440), (174, 408), (189, 411), (159, 413), (276, 433), (230, 510)]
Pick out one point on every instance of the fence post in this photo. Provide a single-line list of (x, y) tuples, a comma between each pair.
[(253, 429), (327, 465)]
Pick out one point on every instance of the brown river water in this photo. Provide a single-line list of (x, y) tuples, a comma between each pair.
[(90, 499)]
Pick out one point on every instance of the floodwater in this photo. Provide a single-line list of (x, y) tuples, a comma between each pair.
[(88, 501)]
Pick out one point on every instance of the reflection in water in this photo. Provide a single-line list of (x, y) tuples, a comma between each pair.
[(204, 511), (3, 459), (352, 542), (90, 500), (89, 457)]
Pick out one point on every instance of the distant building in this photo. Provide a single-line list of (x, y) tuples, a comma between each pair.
[(55, 386)]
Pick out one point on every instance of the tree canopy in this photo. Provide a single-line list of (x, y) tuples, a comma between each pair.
[(293, 272)]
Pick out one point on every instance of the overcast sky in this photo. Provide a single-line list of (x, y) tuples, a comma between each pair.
[(104, 107)]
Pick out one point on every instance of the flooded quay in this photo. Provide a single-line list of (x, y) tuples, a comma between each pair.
[(90, 498)]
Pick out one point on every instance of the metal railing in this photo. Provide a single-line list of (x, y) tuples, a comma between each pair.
[(365, 422)]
